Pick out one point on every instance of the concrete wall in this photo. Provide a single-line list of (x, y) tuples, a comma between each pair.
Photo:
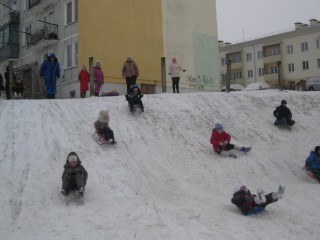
[(190, 33)]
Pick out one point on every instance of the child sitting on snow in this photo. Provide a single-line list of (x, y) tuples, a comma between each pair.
[(221, 141), (250, 203), (312, 165), (74, 175), (134, 98), (102, 127)]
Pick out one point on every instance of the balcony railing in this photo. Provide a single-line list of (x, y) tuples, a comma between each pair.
[(32, 3), (9, 51), (48, 32)]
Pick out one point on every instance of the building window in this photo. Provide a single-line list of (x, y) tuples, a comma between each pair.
[(249, 57), (274, 51), (318, 43), (305, 65), (75, 10), (237, 75), (274, 69), (223, 61), (76, 54), (236, 58), (318, 62), (261, 72), (304, 47), (291, 67), (69, 13), (25, 5), (290, 49), (260, 54), (69, 56), (250, 73), (27, 34)]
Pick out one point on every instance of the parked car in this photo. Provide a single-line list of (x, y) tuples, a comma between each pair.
[(313, 84), (257, 86), (233, 87)]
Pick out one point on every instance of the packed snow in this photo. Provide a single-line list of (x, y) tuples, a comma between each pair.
[(162, 179)]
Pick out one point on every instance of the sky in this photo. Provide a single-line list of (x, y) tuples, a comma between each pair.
[(243, 19)]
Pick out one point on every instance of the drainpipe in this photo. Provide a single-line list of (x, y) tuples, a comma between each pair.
[(279, 75), (228, 75), (163, 74)]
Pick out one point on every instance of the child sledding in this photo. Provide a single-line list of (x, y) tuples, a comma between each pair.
[(103, 134)]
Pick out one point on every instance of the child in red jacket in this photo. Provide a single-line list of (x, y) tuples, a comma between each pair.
[(221, 141), (84, 78)]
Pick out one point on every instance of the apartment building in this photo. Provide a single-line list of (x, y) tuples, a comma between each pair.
[(30, 30), (296, 54)]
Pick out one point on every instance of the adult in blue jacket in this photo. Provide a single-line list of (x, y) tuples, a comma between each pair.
[(50, 71), (313, 163)]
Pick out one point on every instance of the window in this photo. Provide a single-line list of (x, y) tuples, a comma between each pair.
[(69, 56), (223, 61), (290, 49), (25, 5), (291, 67), (318, 60), (249, 57), (76, 54), (274, 69), (318, 43), (75, 10), (304, 47), (260, 54), (237, 75), (27, 35), (236, 58), (69, 13), (274, 51), (305, 65), (261, 72), (250, 73)]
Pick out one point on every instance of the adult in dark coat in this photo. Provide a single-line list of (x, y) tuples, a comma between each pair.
[(283, 115), (250, 203), (50, 71), (74, 175)]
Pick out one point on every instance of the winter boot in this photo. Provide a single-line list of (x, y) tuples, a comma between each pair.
[(279, 194), (232, 155), (81, 190), (142, 108), (245, 149), (64, 192)]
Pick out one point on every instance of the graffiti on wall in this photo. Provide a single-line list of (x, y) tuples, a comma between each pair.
[(200, 81)]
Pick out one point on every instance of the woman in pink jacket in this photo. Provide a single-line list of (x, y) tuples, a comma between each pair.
[(98, 78)]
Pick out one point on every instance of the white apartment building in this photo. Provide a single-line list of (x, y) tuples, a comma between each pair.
[(296, 54), (32, 29)]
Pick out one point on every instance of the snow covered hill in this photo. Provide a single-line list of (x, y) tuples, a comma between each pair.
[(162, 180)]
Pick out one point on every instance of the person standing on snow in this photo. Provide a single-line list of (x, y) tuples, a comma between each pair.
[(221, 141), (84, 78), (174, 71), (250, 203), (50, 71), (74, 176), (130, 72), (98, 78), (283, 115), (312, 164)]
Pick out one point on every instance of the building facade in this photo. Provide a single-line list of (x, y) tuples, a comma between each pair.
[(42, 27), (296, 54)]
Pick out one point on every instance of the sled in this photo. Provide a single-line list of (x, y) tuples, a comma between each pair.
[(284, 126), (100, 139), (312, 175), (74, 196), (135, 108)]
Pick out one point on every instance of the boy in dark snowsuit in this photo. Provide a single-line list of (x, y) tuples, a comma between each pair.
[(250, 203), (74, 175), (134, 98), (18, 88), (283, 115)]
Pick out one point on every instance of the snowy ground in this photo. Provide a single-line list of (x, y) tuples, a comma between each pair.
[(162, 180)]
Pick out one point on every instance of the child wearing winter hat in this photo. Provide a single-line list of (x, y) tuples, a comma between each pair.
[(312, 164), (74, 175), (255, 203), (221, 142), (102, 127), (84, 78)]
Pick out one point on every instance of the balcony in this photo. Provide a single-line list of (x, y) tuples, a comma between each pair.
[(272, 59), (9, 51), (47, 33), (236, 65), (271, 78)]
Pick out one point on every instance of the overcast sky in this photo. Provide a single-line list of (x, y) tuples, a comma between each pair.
[(254, 18)]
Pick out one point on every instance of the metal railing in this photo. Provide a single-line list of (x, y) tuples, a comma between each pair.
[(47, 32)]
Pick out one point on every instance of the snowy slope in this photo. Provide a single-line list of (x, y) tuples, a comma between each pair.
[(162, 180)]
